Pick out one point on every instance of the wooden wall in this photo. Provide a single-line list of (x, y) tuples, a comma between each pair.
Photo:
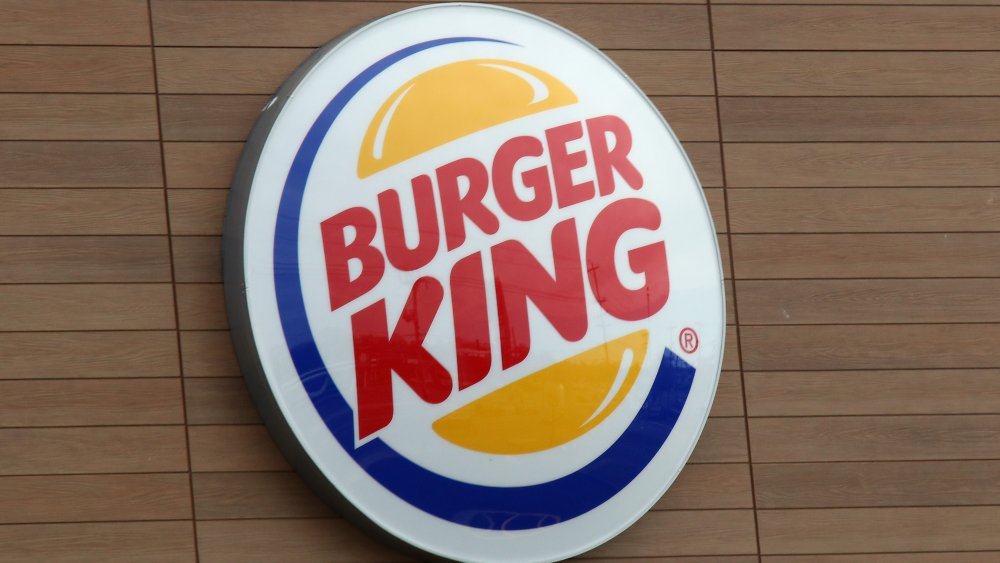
[(850, 150)]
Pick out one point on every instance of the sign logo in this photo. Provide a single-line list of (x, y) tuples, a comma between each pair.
[(474, 285)]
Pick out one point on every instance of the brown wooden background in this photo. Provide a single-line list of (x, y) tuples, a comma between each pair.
[(856, 193)]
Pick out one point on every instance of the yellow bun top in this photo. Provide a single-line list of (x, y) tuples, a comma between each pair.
[(452, 101)]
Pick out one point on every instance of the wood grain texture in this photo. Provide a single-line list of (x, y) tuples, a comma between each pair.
[(94, 498), (857, 347), (842, 28), (869, 530), (804, 302), (311, 24), (842, 485), (75, 164), (256, 495), (729, 395), (79, 450), (200, 165), (188, 70), (708, 486), (832, 393), (84, 259), (264, 541), (93, 402), (871, 210), (208, 354), (201, 306), (196, 212), (48, 211), (707, 162), (834, 165), (680, 532), (668, 73), (71, 117), (716, 199), (755, 73), (86, 307), (911, 557), (75, 22), (197, 259), (692, 118), (807, 119), (116, 542), (724, 440), (875, 438), (44, 69), (66, 355), (219, 400), (889, 255), (209, 118), (234, 448)]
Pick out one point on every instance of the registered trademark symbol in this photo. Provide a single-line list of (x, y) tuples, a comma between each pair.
[(689, 340)]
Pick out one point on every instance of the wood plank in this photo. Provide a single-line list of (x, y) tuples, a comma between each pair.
[(835, 210), (61, 451), (306, 539), (77, 164), (257, 495), (724, 440), (707, 162), (208, 354), (804, 302), (200, 165), (724, 257), (311, 24), (731, 350), (94, 498), (70, 117), (707, 486), (835, 165), (196, 212), (692, 118), (75, 22), (857, 347), (680, 532), (116, 542), (912, 557), (716, 199), (219, 400), (875, 438), (762, 73), (841, 485), (668, 73), (92, 402), (84, 259), (729, 395), (224, 70), (201, 306), (209, 118), (868, 530), (872, 392), (127, 70), (63, 355), (197, 259), (865, 2), (890, 255), (860, 119), (691, 559), (48, 211), (86, 307), (234, 448), (842, 28)]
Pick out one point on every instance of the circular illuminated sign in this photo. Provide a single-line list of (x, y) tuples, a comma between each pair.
[(474, 285)]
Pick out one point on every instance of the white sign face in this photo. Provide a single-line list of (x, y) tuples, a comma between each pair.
[(474, 285)]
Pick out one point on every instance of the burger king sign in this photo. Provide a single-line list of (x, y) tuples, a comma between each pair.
[(474, 285)]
